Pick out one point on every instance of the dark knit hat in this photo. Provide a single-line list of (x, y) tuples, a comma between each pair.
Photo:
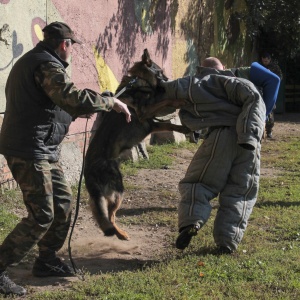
[(59, 30), (266, 55)]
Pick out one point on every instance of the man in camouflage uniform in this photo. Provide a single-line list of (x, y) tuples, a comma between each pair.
[(267, 62), (41, 104)]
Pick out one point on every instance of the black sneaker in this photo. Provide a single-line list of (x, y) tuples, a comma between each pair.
[(54, 267), (8, 287), (223, 250), (185, 236)]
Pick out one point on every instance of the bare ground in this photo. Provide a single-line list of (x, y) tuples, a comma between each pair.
[(96, 254)]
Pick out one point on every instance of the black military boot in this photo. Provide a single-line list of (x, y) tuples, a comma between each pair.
[(221, 250), (185, 235)]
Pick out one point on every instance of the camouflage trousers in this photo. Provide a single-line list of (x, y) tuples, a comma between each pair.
[(48, 198)]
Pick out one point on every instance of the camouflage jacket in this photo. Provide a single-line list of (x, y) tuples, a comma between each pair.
[(55, 82)]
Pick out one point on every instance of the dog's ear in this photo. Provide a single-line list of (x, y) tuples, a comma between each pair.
[(146, 58)]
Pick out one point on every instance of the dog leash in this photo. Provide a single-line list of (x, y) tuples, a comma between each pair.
[(128, 86), (77, 271)]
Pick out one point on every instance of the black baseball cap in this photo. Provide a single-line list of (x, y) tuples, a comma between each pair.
[(60, 30)]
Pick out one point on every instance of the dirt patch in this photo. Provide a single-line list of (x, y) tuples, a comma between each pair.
[(96, 254)]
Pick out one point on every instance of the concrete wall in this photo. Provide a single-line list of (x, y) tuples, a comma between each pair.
[(114, 32), (177, 33), (231, 42)]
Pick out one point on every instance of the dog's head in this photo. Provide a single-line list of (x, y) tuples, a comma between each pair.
[(146, 89), (155, 69)]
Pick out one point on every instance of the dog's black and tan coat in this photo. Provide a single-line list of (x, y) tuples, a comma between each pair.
[(103, 178)]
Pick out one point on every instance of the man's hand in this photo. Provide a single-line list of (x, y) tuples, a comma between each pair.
[(121, 107)]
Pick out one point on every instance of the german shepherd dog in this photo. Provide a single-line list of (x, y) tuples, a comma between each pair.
[(103, 178)]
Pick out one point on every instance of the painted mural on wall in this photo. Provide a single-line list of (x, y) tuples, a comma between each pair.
[(115, 34), (231, 42), (178, 33), (213, 28)]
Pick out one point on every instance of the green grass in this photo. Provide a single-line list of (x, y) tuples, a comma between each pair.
[(266, 265), (9, 202), (7, 222), (162, 156)]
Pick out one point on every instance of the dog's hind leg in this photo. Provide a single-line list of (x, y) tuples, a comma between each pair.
[(100, 210), (120, 233)]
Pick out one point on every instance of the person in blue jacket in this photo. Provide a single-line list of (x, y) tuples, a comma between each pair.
[(267, 62)]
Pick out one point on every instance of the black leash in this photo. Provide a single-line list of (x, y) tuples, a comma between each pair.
[(77, 271), (128, 86)]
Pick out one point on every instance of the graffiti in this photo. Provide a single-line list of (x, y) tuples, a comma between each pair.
[(36, 30), (142, 9), (192, 58), (119, 25), (4, 34), (17, 50), (106, 77)]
